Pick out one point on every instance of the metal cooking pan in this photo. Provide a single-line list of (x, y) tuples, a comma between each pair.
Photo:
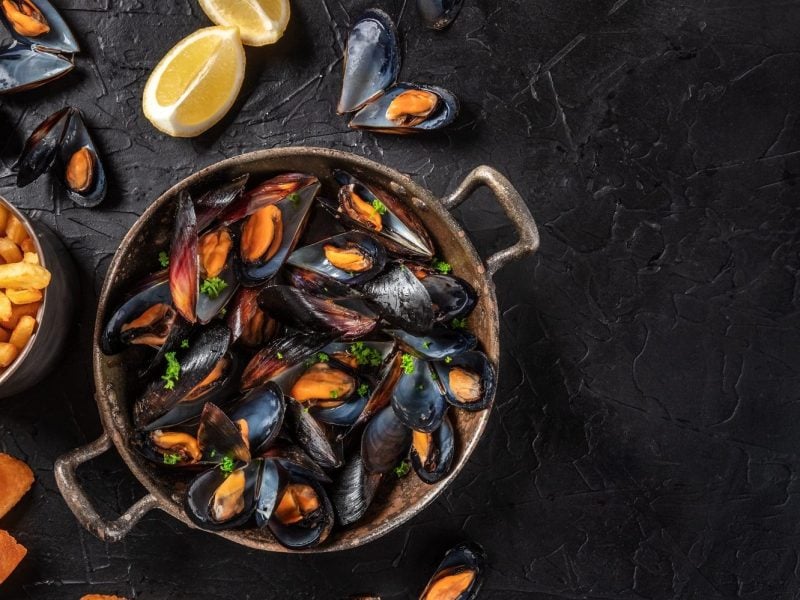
[(114, 376)]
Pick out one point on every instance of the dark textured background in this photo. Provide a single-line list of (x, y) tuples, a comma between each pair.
[(644, 441)]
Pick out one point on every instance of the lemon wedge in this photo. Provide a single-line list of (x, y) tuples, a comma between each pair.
[(260, 22), (196, 83)]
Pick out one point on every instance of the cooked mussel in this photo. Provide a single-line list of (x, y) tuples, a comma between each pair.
[(459, 576), (280, 355), (381, 395), (264, 194), (259, 416), (384, 442), (212, 203), (303, 515), (438, 14), (332, 392), (317, 439), (219, 282), (37, 23), (225, 496), (24, 68), (349, 257), (183, 264), (408, 108), (83, 174), (371, 60), (402, 299), (353, 490), (41, 147), (439, 343), (173, 448), (318, 285), (452, 297), (220, 439), (418, 398), (249, 325), (432, 453), (469, 380)]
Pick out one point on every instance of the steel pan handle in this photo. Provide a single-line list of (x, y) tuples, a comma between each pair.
[(513, 205), (65, 469)]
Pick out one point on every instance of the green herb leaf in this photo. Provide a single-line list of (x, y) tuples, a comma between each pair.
[(334, 394), (172, 459), (306, 409), (184, 343), (407, 363), (279, 355), (448, 359), (322, 357), (363, 390), (223, 311), (459, 323), (227, 464), (163, 259), (426, 344), (365, 355), (173, 372), (379, 207), (212, 287), (402, 469), (443, 267), (294, 198)]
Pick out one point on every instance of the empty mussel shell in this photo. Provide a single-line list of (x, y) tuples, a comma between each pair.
[(353, 490), (349, 257), (438, 14), (220, 438), (259, 415), (37, 23), (184, 275), (402, 299), (317, 439), (384, 442), (318, 285), (210, 204), (381, 394), (371, 60), (294, 459), (273, 481), (23, 68), (469, 380), (249, 325), (41, 147), (432, 453), (418, 398), (82, 174), (408, 108), (225, 496), (437, 344), (459, 576), (303, 515)]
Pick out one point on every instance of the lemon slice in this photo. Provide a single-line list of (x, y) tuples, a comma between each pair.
[(260, 22), (196, 83)]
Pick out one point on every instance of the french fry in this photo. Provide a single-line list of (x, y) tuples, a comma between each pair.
[(17, 312), (5, 307), (31, 258), (4, 213), (10, 251), (11, 554), (27, 245), (24, 275), (15, 230), (8, 352), (22, 332), (16, 478), (23, 296)]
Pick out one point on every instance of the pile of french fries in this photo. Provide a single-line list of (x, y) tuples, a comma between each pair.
[(22, 283), (16, 478)]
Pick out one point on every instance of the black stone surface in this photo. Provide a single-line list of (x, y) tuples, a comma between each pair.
[(644, 440)]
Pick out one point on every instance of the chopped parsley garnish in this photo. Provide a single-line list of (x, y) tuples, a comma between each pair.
[(212, 287), (434, 376), (322, 357), (363, 390), (448, 359), (459, 323), (443, 267), (379, 207), (402, 469), (173, 372), (223, 311), (184, 343), (294, 198), (172, 459), (227, 464), (426, 344), (407, 363), (163, 259), (306, 409), (334, 394), (213, 453), (279, 355), (365, 355)]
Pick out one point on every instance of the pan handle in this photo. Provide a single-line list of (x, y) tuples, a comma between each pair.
[(79, 503), (513, 205)]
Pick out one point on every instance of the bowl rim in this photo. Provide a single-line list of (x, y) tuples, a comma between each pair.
[(8, 373), (106, 397)]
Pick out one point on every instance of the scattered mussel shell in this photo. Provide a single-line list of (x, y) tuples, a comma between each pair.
[(23, 68), (41, 147), (279, 356), (371, 60), (137, 320), (408, 108), (184, 274), (176, 448), (317, 439), (402, 299), (37, 23), (384, 442), (349, 257), (469, 380), (221, 499), (459, 576), (432, 453), (83, 174), (353, 490), (438, 14), (268, 235), (378, 213), (259, 416), (219, 437), (439, 343), (303, 515), (418, 398)]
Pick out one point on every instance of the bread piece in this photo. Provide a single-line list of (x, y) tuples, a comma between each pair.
[(11, 553), (16, 478)]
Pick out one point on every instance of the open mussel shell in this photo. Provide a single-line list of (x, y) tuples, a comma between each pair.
[(219, 437), (377, 212), (41, 147), (118, 330), (273, 481), (418, 398), (452, 297), (332, 391), (337, 316), (438, 14), (82, 171), (259, 415), (250, 326), (295, 460), (408, 108), (184, 278), (38, 24), (216, 255), (432, 453), (371, 60), (266, 240), (318, 285), (303, 515), (279, 356), (23, 68), (211, 204), (265, 193), (206, 347), (353, 490), (437, 344), (459, 576), (317, 439), (349, 257), (381, 395), (222, 500), (174, 448), (402, 299), (384, 442), (469, 380)]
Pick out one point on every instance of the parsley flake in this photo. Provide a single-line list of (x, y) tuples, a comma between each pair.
[(212, 287), (443, 267), (172, 459), (294, 198), (402, 469), (459, 323), (334, 394), (184, 343), (448, 359), (426, 344), (322, 357), (363, 390), (279, 355), (407, 363), (173, 372), (227, 464), (379, 207), (365, 355), (163, 259)]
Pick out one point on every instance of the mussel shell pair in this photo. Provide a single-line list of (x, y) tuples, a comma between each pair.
[(438, 14), (371, 67), (58, 140), (58, 38), (313, 257), (460, 574)]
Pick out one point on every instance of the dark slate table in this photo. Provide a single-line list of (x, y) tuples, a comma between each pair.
[(644, 440)]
